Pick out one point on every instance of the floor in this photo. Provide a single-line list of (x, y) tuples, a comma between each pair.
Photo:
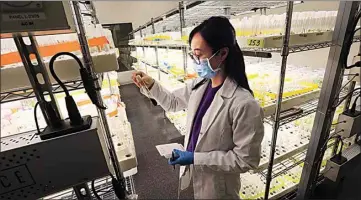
[(155, 178)]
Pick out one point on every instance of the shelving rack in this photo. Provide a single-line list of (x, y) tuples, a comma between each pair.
[(50, 89), (28, 92), (196, 12)]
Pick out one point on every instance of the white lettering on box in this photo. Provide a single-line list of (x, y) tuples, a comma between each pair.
[(23, 16)]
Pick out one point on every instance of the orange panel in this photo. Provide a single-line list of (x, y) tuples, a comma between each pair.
[(45, 51)]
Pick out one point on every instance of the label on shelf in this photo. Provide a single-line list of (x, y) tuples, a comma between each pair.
[(254, 42)]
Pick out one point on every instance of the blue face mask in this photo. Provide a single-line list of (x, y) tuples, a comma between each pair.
[(204, 68)]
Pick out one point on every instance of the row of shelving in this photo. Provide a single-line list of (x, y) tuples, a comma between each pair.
[(300, 96), (297, 127), (28, 92), (197, 11), (298, 92), (261, 44), (65, 67), (286, 175)]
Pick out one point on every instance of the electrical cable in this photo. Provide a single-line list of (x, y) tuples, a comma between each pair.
[(51, 68), (71, 106), (334, 135), (359, 28), (94, 191), (338, 123), (86, 76), (345, 97), (340, 151), (354, 76), (36, 120), (36, 117)]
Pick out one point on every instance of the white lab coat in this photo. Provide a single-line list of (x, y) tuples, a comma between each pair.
[(229, 141)]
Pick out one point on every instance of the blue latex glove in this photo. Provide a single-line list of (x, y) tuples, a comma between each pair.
[(182, 157)]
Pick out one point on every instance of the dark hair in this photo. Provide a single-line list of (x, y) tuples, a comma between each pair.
[(218, 32)]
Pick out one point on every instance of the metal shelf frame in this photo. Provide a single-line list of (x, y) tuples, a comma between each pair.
[(197, 11), (47, 89), (25, 93)]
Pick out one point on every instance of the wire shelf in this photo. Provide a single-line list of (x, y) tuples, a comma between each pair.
[(308, 108), (26, 93), (300, 48), (292, 49), (206, 9), (103, 186)]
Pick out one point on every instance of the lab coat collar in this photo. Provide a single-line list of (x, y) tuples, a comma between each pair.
[(228, 88)]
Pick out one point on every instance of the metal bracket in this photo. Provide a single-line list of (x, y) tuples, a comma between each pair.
[(37, 74), (82, 192)]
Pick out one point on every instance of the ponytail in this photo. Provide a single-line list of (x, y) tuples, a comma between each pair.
[(235, 67)]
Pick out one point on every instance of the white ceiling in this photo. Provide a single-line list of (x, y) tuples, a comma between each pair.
[(136, 12)]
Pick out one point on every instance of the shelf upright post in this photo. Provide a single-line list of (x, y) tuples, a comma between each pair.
[(156, 50), (41, 84), (284, 54), (329, 92), (141, 37), (182, 26), (90, 66), (227, 12)]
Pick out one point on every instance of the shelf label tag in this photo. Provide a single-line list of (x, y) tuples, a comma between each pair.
[(255, 42), (23, 16)]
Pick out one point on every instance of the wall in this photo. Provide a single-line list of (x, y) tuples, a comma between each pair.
[(136, 12)]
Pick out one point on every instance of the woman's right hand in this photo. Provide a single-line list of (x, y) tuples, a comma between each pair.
[(142, 79)]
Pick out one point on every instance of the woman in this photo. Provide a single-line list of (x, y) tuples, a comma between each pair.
[(224, 121)]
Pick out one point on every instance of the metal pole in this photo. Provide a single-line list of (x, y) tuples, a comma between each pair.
[(152, 23), (227, 12), (93, 12), (40, 87), (89, 65), (329, 91), (156, 50), (183, 25), (141, 36), (285, 52)]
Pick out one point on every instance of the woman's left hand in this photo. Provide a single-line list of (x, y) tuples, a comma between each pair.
[(182, 157)]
